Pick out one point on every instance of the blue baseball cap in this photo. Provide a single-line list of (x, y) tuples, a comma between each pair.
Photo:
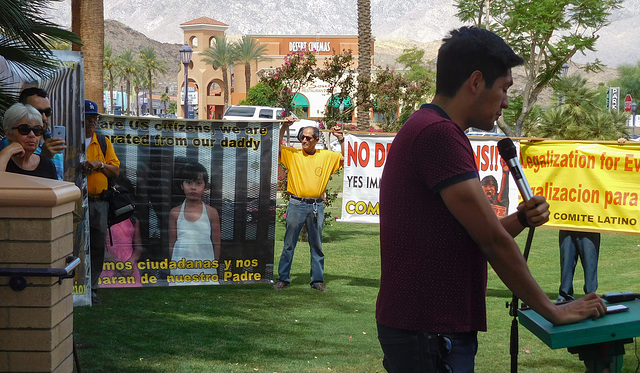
[(90, 107)]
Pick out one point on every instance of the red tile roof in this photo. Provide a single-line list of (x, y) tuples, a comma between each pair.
[(204, 21)]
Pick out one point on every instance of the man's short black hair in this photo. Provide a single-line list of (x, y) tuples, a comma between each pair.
[(316, 132), (468, 49), (28, 92)]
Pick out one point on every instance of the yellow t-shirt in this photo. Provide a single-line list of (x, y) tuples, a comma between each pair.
[(97, 181), (309, 174)]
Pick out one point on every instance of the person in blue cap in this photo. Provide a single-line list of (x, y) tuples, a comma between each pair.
[(98, 168)]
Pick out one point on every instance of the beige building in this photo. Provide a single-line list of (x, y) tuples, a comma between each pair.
[(205, 92)]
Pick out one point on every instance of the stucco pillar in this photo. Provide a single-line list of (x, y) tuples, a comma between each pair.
[(36, 232)]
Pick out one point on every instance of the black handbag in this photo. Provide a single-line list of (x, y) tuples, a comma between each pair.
[(121, 206)]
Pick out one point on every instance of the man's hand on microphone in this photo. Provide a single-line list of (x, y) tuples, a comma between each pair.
[(536, 210)]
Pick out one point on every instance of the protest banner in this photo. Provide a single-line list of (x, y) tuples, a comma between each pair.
[(590, 186), (240, 160), (365, 156), (364, 161)]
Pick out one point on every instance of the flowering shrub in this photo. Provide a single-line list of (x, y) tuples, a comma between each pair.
[(288, 79)]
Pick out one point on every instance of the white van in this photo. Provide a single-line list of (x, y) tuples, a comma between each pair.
[(249, 112), (257, 113)]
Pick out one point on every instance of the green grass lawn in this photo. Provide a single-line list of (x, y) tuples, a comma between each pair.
[(253, 328)]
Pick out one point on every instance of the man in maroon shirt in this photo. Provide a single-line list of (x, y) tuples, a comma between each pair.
[(437, 227)]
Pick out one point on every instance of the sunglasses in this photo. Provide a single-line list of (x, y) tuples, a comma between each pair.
[(47, 112), (24, 129), (308, 138)]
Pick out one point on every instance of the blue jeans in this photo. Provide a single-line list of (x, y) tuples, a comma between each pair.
[(585, 245), (412, 351), (298, 214)]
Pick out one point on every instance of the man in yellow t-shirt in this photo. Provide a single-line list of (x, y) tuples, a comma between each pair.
[(98, 168), (309, 172)]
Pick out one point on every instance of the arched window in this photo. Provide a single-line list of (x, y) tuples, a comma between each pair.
[(214, 89), (194, 41)]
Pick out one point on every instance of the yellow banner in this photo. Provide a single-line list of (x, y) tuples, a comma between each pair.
[(589, 186)]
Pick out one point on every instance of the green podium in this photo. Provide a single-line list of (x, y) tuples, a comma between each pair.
[(599, 343)]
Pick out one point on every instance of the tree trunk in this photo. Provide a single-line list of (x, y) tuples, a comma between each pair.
[(247, 76), (150, 94), (87, 20), (225, 81), (364, 61), (111, 90), (128, 98)]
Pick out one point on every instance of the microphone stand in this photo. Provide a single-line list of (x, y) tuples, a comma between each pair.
[(513, 311)]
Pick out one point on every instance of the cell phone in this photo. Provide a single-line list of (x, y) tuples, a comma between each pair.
[(617, 308), (59, 131)]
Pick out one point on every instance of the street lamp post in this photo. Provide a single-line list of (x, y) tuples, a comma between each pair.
[(634, 106), (185, 56)]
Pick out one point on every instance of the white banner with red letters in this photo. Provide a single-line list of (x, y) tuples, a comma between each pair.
[(365, 156)]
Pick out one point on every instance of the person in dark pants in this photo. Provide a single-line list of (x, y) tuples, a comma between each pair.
[(574, 245), (438, 230), (98, 168), (309, 172)]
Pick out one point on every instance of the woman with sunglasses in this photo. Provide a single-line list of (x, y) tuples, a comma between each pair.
[(23, 127)]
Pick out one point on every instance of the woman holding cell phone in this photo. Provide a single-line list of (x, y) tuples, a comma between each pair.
[(23, 127)]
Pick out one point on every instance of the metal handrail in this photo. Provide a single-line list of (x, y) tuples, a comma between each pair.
[(18, 281)]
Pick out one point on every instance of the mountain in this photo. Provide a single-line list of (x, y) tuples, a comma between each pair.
[(394, 20), (123, 37)]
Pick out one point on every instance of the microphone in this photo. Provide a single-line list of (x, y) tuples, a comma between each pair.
[(507, 151)]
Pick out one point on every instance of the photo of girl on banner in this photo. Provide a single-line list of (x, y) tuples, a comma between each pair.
[(194, 229)]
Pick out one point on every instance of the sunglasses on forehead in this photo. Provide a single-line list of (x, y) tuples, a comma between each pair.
[(24, 129), (47, 112)]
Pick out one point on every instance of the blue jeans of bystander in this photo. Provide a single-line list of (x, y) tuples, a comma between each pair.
[(300, 213), (585, 245)]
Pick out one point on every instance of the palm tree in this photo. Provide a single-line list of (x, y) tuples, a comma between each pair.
[(87, 20), (221, 55), (128, 67), (152, 66), (138, 81), (580, 117), (26, 38), (109, 65), (164, 99), (247, 51), (364, 61)]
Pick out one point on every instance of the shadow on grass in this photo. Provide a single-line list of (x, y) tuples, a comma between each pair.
[(336, 233), (204, 328)]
